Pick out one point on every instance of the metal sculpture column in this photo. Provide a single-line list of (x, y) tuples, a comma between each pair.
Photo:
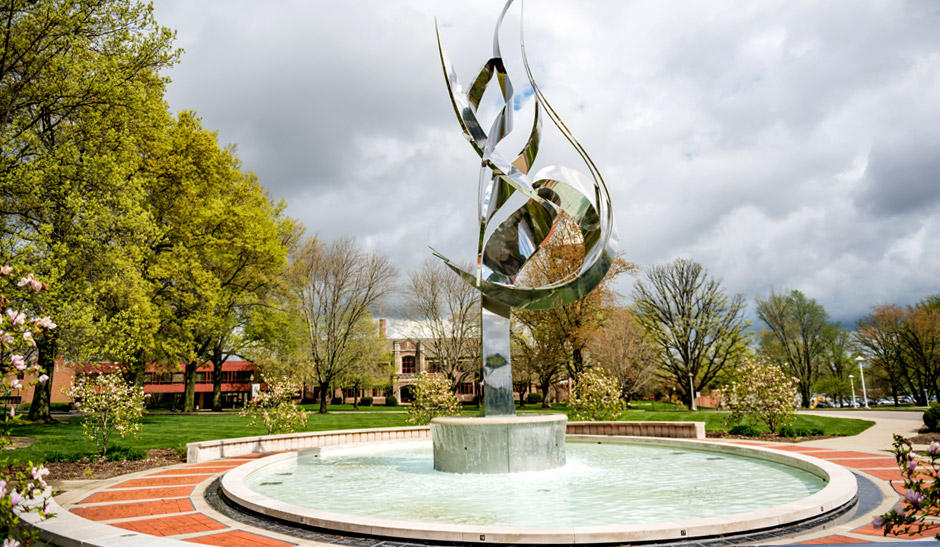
[(518, 213)]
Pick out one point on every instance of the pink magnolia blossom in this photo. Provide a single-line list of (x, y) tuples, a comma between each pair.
[(46, 323), (5, 270), (16, 384), (10, 542), (38, 472), (3, 488), (15, 498), (911, 466), (18, 362), (17, 318), (35, 285), (28, 338), (877, 522), (934, 448), (6, 337), (42, 378), (914, 497), (12, 412)]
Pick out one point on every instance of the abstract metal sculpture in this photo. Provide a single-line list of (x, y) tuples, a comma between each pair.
[(518, 214)]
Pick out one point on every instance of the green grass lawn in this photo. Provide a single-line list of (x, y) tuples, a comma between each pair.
[(64, 440)]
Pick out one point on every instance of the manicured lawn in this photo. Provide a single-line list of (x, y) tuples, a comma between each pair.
[(64, 440)]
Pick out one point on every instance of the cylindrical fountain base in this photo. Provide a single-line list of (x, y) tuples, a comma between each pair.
[(499, 444)]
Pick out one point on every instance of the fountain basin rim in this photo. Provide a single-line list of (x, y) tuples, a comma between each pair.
[(841, 489), (499, 420)]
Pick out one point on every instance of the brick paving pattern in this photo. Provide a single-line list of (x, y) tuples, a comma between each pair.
[(239, 538), (172, 525), (133, 510)]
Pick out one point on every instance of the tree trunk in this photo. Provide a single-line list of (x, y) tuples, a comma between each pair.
[(324, 393), (39, 409), (545, 387), (189, 393), (217, 382)]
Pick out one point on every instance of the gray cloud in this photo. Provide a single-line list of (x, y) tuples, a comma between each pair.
[(780, 144)]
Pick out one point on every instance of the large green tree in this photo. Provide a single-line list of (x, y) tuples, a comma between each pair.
[(79, 89), (219, 246), (698, 331), (796, 337)]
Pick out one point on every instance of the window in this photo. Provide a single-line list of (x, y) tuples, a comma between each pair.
[(433, 367), (408, 364), (465, 388)]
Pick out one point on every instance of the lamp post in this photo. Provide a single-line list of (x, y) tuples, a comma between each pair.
[(692, 391), (854, 402), (859, 359)]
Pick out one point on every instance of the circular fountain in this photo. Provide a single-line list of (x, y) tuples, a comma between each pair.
[(612, 489)]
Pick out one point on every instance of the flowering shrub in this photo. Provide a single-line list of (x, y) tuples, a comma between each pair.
[(596, 397), (432, 398), (275, 408), (108, 403), (920, 506), (763, 393), (20, 491)]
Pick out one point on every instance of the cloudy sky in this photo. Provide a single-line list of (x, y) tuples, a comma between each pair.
[(781, 144)]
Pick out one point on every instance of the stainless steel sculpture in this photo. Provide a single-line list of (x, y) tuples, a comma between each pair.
[(518, 213)]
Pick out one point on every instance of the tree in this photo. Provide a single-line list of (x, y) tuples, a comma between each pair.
[(275, 408), (336, 285), (573, 324), (903, 345), (432, 398), (762, 392), (596, 397), (878, 335), (623, 349), (540, 356), (798, 326), (368, 352), (696, 329), (79, 86), (108, 403), (447, 309)]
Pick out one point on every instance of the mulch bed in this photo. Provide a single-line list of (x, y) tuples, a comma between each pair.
[(768, 437), (160, 457)]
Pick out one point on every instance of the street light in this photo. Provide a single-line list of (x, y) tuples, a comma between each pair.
[(862, 372), (854, 402), (692, 390)]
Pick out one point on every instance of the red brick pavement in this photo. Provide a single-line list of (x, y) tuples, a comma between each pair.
[(140, 494), (191, 471), (238, 538), (148, 482), (133, 510), (833, 539), (172, 525)]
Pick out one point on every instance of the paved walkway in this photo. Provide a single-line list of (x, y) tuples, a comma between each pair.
[(169, 502)]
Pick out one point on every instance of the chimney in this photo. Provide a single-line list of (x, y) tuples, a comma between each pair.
[(382, 328)]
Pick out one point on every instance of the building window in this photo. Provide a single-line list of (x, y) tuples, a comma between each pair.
[(408, 364), (465, 388), (433, 367)]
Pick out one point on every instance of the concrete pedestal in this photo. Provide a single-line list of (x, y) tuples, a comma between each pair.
[(499, 444)]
